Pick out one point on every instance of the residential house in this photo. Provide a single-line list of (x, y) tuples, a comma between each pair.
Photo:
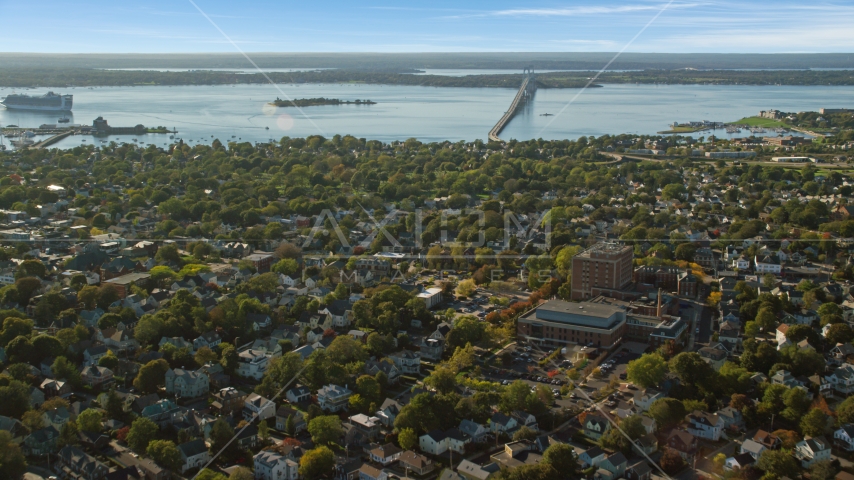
[(842, 379), (41, 442), (595, 426), (705, 425), (467, 470), (639, 471), (409, 363), (392, 373), (161, 412), (388, 412), (612, 467), (516, 454), (257, 406), (92, 355), (477, 432), (684, 443), (15, 428), (811, 450), (737, 462), (194, 454), (644, 398), (368, 426), (434, 442), (272, 465), (177, 342), (283, 413), (56, 418), (298, 394), (95, 376), (417, 464), (843, 437), (591, 457), (228, 400), (333, 398), (54, 388), (85, 466), (187, 383), (502, 423), (209, 339), (252, 364), (386, 454)]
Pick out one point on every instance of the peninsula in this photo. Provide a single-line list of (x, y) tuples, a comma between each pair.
[(313, 102)]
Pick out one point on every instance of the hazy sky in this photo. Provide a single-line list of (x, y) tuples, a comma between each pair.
[(383, 26)]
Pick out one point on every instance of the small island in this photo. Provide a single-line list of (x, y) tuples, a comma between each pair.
[(313, 102)]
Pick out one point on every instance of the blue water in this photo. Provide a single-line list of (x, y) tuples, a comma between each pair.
[(426, 113)]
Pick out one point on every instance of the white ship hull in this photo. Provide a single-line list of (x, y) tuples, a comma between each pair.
[(40, 108)]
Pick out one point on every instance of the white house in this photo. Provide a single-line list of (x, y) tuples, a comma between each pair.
[(843, 437), (333, 398), (811, 450), (193, 454), (431, 297), (187, 383), (252, 364), (842, 379), (271, 465), (643, 399), (256, 405), (434, 442), (705, 425), (298, 394), (767, 264), (409, 363)]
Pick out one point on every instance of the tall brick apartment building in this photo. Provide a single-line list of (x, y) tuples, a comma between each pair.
[(603, 269)]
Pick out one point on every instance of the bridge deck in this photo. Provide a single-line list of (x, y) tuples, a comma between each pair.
[(505, 119)]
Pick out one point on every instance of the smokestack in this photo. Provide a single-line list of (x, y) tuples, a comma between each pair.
[(658, 308)]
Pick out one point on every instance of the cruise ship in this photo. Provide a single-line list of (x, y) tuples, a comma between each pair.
[(49, 102)]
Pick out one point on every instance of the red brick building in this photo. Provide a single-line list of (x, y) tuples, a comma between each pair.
[(601, 268)]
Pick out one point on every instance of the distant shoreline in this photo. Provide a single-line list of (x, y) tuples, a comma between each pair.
[(19, 77)]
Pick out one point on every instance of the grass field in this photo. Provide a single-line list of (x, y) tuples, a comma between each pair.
[(759, 122)]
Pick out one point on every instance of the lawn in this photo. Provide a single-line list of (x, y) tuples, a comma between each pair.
[(760, 122)]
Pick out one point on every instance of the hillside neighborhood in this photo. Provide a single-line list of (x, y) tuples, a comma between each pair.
[(343, 309)]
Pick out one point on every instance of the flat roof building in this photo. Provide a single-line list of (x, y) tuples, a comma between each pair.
[(602, 268), (560, 323)]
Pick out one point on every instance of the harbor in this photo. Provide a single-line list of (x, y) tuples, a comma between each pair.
[(24, 137)]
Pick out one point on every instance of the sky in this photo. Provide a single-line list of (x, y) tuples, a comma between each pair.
[(680, 26)]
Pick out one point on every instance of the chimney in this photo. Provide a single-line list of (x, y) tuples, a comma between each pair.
[(658, 307)]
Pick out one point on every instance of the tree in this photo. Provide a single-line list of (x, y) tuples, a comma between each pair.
[(142, 432), (797, 403), (210, 475), (316, 463), (667, 412), (205, 355), (840, 333), (691, 369), (845, 410), (47, 346), (777, 462), (31, 268), (524, 433), (33, 419), (221, 434), (325, 429), (89, 420), (166, 454), (151, 376), (13, 464), (68, 435), (814, 423), (443, 379), (263, 431), (241, 473), (647, 371), (20, 350), (822, 470), (110, 360), (686, 251), (671, 462), (64, 369), (562, 459), (407, 439), (466, 288), (286, 266)]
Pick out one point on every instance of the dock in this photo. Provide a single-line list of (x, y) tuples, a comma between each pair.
[(526, 91), (50, 141)]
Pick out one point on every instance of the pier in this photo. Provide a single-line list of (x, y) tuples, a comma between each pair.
[(50, 141), (525, 92)]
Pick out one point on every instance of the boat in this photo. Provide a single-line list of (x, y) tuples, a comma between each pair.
[(547, 114), (64, 120), (49, 102)]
